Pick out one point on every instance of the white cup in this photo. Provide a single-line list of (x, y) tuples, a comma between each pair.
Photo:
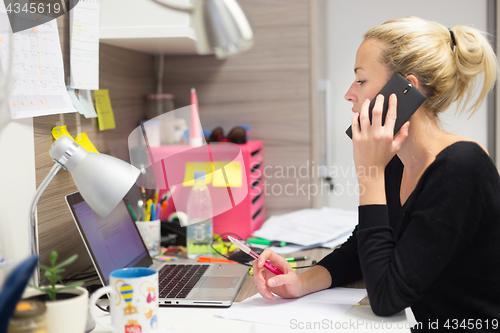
[(151, 233), (133, 300)]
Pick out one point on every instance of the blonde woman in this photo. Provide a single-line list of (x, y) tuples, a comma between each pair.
[(428, 235)]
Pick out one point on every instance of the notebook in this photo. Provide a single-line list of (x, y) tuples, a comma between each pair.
[(114, 242)]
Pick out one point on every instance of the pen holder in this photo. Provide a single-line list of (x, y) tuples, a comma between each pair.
[(151, 234)]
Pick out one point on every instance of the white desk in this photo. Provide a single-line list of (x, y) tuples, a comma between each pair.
[(203, 320)]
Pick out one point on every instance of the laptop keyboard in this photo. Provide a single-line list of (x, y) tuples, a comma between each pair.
[(176, 281)]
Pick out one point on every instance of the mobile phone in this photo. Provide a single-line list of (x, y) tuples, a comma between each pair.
[(409, 100)]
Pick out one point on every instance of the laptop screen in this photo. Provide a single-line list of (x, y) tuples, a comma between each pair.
[(113, 242)]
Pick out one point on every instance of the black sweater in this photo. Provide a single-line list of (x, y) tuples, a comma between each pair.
[(439, 253)]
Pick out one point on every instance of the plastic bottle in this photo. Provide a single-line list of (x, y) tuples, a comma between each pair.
[(199, 211)]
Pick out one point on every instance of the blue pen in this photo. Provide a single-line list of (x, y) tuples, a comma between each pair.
[(153, 211)]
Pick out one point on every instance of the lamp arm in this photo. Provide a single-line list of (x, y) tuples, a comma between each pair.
[(33, 225), (173, 7)]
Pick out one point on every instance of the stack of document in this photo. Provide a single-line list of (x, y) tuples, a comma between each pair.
[(325, 227)]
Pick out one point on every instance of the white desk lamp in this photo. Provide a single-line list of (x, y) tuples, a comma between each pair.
[(102, 180), (221, 26)]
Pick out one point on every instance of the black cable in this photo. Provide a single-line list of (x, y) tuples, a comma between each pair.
[(70, 278), (106, 309), (240, 238), (244, 263)]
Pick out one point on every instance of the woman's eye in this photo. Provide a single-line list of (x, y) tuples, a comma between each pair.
[(360, 82)]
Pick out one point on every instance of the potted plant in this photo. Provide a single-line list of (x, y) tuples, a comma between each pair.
[(67, 305)]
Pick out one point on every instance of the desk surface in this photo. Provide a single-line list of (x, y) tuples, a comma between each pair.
[(358, 319)]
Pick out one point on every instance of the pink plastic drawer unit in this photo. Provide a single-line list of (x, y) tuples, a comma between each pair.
[(237, 210)]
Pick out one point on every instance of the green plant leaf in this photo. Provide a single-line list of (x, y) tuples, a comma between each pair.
[(57, 271), (45, 268), (68, 261), (53, 258)]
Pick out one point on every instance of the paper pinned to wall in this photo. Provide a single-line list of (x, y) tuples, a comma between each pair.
[(38, 88), (84, 44), (104, 110), (86, 101), (76, 102)]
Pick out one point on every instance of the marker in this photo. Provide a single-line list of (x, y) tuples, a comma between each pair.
[(153, 212), (262, 241), (210, 259), (254, 255), (296, 258), (132, 212)]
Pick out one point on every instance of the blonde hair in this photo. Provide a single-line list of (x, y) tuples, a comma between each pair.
[(446, 72)]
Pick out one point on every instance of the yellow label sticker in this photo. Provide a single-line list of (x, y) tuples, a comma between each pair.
[(59, 131), (83, 140), (227, 174), (195, 166), (104, 110)]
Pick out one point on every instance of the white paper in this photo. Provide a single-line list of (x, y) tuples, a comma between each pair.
[(309, 227), (86, 100), (38, 87), (296, 248), (330, 304), (76, 102), (84, 45)]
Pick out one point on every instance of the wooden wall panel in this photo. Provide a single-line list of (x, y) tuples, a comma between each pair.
[(266, 88), (129, 76)]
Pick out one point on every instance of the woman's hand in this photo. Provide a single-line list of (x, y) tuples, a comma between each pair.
[(374, 144), (287, 285)]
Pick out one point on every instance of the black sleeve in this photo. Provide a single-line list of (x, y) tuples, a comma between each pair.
[(343, 262), (444, 216)]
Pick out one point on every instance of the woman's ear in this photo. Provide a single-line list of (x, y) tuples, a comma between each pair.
[(413, 80)]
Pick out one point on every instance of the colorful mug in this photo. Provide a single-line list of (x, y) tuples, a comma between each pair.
[(133, 300)]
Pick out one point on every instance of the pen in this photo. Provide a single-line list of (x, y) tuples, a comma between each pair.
[(262, 241), (153, 211), (254, 255), (163, 207), (210, 259), (157, 191), (148, 210), (296, 258), (132, 212)]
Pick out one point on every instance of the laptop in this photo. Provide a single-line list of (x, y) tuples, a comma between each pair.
[(114, 242)]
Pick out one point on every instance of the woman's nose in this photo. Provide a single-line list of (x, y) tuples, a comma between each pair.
[(350, 96)]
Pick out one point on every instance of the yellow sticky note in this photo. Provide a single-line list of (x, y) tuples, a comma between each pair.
[(232, 171), (59, 131), (194, 166), (104, 110), (83, 140)]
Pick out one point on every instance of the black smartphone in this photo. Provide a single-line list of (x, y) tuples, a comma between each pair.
[(409, 100)]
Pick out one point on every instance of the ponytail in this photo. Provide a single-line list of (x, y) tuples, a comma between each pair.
[(447, 62)]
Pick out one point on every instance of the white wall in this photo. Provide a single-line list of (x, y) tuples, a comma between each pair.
[(17, 183), (347, 22), (17, 186)]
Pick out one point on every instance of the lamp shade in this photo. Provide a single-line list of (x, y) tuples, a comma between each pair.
[(221, 27), (102, 180)]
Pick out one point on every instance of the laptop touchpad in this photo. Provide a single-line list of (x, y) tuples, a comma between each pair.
[(217, 282)]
